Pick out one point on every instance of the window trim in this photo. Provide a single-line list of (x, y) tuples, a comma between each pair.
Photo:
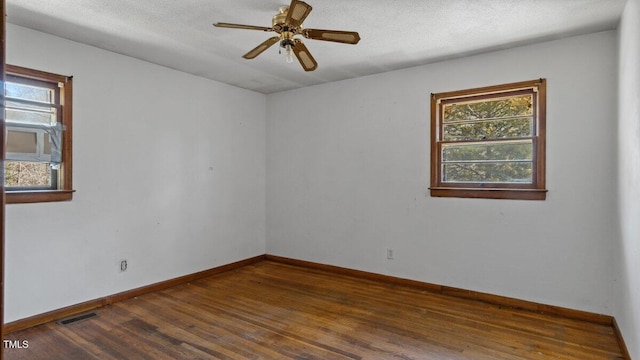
[(65, 184), (534, 191)]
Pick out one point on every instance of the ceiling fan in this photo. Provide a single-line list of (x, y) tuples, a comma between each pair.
[(287, 24)]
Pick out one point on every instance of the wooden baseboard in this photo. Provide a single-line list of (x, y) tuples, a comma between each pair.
[(623, 346), (111, 299), (451, 291)]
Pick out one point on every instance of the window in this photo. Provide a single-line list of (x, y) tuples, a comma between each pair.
[(38, 136), (489, 142)]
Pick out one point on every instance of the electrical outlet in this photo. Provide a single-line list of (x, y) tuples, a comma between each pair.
[(123, 265), (389, 254)]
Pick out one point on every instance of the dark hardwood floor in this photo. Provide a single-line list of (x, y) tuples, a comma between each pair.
[(271, 310)]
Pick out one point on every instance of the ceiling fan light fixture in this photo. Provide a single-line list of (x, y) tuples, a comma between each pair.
[(288, 54), (287, 44)]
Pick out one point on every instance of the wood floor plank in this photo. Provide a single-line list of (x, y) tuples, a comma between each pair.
[(271, 310), (451, 322)]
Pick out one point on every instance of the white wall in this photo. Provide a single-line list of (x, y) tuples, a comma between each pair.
[(169, 170), (348, 177), (627, 286)]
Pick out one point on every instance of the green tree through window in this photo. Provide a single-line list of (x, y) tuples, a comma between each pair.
[(489, 142)]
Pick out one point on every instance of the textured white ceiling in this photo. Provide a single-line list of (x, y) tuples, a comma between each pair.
[(395, 33)]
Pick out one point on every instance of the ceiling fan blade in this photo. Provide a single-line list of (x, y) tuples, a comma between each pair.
[(298, 11), (304, 56), (260, 48), (245, 27), (345, 37)]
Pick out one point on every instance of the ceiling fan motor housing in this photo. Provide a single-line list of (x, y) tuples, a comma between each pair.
[(287, 39)]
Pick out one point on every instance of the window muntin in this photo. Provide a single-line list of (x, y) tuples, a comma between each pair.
[(489, 142), (38, 136)]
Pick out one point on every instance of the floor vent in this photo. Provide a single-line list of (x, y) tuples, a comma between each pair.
[(76, 318)]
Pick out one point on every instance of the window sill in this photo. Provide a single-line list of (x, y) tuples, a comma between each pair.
[(489, 193), (23, 197)]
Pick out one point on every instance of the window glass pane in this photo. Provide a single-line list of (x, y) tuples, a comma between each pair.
[(505, 128), (488, 151), (22, 142), (27, 92), (488, 109), (500, 172), (27, 174), (30, 117)]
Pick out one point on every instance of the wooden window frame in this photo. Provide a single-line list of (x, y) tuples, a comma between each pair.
[(529, 191), (65, 185)]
